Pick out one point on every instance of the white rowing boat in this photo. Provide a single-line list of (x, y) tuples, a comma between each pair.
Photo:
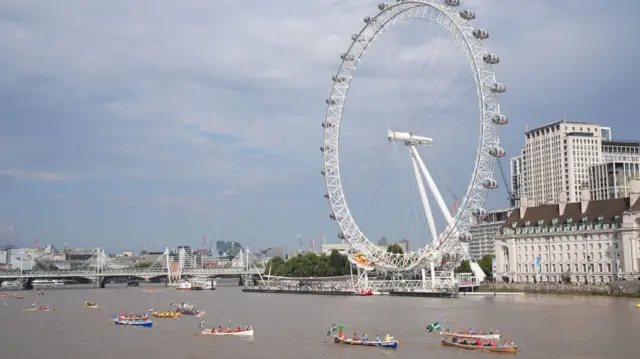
[(243, 333)]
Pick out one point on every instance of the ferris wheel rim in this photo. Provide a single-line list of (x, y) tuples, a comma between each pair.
[(484, 166)]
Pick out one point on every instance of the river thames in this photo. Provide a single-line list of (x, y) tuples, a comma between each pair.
[(295, 326)]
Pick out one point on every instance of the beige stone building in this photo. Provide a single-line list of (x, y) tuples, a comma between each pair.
[(577, 242)]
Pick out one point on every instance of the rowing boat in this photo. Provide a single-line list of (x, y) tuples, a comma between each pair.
[(39, 309), (147, 323), (90, 305), (496, 349), (469, 336), (391, 344), (242, 333), (165, 315)]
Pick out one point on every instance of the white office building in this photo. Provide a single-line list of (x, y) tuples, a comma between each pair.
[(565, 155), (556, 158), (577, 242), (517, 177), (484, 232), (620, 162)]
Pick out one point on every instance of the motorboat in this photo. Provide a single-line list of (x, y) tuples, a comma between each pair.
[(202, 284), (184, 285), (47, 283)]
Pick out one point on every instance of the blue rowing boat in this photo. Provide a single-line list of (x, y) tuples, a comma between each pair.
[(392, 344), (135, 323)]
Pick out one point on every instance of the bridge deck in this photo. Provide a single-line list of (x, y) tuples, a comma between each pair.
[(142, 273)]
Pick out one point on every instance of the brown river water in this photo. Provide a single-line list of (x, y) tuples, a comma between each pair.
[(295, 326)]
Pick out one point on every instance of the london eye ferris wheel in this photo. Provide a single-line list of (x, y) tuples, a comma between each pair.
[(450, 243)]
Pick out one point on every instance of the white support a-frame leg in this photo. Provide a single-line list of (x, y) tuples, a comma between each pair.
[(432, 186), (423, 198)]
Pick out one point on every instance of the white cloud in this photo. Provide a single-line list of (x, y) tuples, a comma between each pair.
[(34, 175), (232, 95)]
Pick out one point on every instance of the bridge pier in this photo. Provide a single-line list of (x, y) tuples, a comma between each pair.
[(27, 284), (99, 282)]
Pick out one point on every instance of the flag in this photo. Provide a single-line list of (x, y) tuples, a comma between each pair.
[(434, 326), (334, 328), (150, 310)]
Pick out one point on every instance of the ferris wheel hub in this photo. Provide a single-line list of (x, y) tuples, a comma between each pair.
[(408, 138)]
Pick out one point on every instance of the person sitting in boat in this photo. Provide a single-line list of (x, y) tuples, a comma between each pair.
[(355, 336), (365, 337), (506, 343), (493, 344), (388, 338), (479, 342), (471, 331), (238, 329), (377, 338), (454, 339)]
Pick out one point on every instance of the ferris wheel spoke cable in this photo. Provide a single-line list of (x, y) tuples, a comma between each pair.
[(367, 193), (420, 87), (434, 85), (445, 14), (432, 72)]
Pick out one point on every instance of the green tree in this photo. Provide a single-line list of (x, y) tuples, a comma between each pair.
[(310, 265), (273, 265), (395, 248), (464, 267), (486, 264)]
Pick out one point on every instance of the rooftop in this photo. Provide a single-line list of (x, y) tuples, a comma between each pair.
[(623, 143), (549, 125), (604, 211)]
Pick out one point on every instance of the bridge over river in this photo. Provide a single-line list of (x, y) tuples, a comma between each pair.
[(98, 268)]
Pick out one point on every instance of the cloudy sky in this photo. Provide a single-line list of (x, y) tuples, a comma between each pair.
[(130, 124)]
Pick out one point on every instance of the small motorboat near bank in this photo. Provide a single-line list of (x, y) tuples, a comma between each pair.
[(364, 292)]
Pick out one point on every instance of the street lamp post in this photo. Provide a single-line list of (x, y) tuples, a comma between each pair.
[(588, 270)]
